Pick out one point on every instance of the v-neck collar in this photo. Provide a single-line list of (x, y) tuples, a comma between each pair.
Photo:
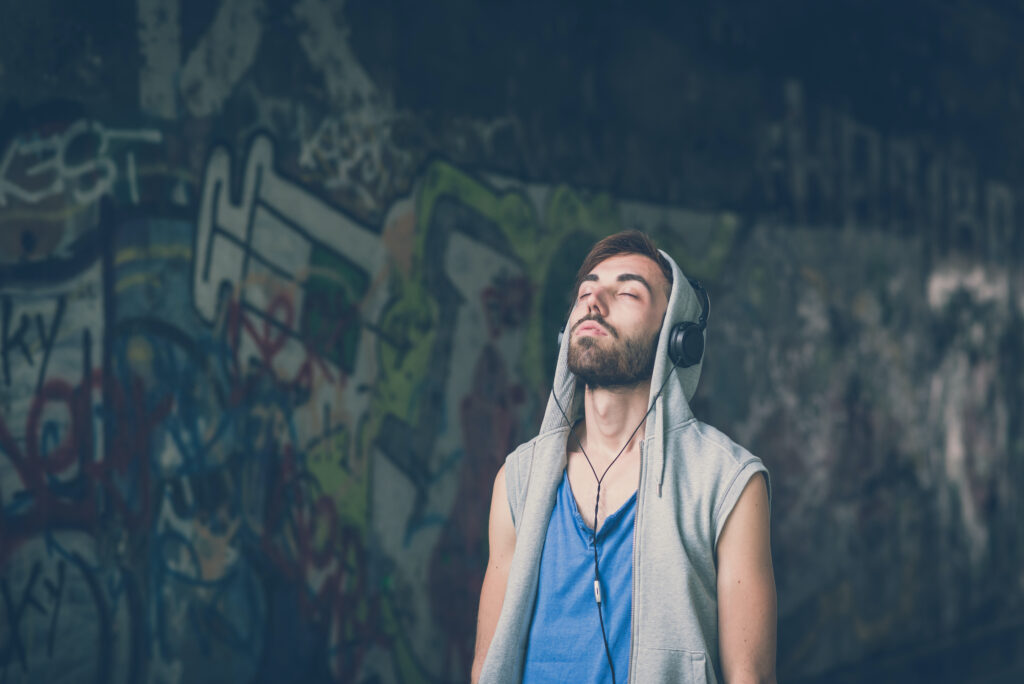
[(610, 522)]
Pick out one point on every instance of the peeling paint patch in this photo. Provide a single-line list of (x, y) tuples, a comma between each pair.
[(324, 39), (222, 57), (984, 285), (160, 46)]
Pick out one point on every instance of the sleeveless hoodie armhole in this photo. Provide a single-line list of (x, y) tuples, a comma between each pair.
[(517, 475), (740, 479)]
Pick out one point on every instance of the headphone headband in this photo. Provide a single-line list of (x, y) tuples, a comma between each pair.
[(705, 302)]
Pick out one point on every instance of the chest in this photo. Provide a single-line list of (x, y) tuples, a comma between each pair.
[(617, 485)]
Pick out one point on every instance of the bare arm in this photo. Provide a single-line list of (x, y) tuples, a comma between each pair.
[(747, 610), (501, 534)]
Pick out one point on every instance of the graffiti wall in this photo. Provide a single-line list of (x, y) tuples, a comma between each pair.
[(268, 331)]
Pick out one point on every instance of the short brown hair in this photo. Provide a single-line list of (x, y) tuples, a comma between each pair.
[(626, 242)]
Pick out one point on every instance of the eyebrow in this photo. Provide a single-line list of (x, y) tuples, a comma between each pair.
[(623, 277)]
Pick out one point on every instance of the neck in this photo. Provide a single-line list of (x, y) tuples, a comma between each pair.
[(612, 415)]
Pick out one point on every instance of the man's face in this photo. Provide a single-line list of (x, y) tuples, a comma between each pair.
[(615, 323)]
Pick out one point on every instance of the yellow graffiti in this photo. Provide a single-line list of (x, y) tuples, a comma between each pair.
[(511, 212), (137, 280), (162, 252), (140, 351), (344, 479), (534, 242), (62, 214), (408, 331)]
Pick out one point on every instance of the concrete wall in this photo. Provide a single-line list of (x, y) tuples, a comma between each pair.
[(280, 284)]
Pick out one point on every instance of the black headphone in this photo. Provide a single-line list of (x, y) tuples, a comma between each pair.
[(685, 339)]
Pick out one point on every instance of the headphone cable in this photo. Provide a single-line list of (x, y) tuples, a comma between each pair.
[(597, 499)]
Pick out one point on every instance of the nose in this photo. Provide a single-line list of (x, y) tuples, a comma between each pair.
[(597, 303)]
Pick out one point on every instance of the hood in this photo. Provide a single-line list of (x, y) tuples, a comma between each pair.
[(672, 406)]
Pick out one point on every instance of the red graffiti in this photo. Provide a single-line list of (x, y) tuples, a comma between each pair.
[(74, 458), (305, 538), (489, 418), (506, 302), (270, 332)]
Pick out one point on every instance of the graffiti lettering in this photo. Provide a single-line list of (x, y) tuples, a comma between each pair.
[(297, 265), (835, 171), (57, 620), (19, 339), (77, 159)]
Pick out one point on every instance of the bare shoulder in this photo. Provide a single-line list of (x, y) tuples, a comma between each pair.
[(501, 526), (748, 522), (499, 481)]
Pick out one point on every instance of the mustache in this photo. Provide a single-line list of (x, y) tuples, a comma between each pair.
[(599, 319)]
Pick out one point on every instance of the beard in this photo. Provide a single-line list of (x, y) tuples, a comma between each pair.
[(625, 364)]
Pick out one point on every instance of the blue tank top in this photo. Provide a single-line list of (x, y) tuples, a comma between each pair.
[(565, 643)]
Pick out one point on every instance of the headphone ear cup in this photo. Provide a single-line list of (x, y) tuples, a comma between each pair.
[(686, 344)]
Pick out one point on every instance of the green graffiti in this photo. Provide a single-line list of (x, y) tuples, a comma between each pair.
[(408, 330), (701, 243), (344, 479), (535, 243), (570, 212), (511, 211), (330, 314)]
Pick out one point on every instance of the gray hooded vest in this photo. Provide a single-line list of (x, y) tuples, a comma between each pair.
[(691, 476)]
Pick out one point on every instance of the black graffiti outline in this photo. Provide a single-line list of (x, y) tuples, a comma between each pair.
[(10, 343), (104, 632), (15, 616)]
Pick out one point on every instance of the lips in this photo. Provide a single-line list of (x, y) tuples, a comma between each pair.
[(591, 328)]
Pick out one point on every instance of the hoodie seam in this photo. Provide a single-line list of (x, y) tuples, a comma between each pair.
[(681, 426), (512, 489), (527, 450), (724, 447), (529, 474), (732, 483), (741, 461)]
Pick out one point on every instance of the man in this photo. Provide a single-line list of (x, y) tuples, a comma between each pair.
[(628, 541)]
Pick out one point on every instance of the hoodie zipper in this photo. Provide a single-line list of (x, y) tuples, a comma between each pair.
[(632, 608)]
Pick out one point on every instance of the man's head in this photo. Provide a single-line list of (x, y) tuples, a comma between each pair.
[(621, 292)]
